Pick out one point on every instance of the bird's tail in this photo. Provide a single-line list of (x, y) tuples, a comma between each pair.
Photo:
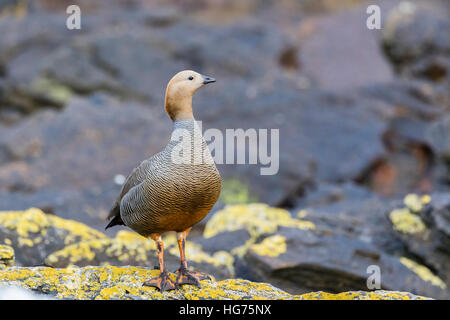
[(116, 219)]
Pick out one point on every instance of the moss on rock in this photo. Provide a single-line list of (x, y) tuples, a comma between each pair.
[(110, 282)]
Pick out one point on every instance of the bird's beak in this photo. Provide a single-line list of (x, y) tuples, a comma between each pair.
[(207, 79)]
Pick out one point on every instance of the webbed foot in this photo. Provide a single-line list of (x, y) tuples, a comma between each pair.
[(162, 282), (186, 276)]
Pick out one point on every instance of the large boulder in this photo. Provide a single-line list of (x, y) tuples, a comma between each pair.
[(327, 55), (417, 41), (438, 137), (327, 247), (34, 234), (75, 148), (304, 260)]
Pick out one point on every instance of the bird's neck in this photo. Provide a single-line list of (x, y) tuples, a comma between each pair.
[(179, 109)]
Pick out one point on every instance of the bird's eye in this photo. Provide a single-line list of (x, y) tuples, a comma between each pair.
[(191, 78)]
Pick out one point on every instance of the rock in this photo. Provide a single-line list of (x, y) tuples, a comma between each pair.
[(313, 146), (6, 256), (90, 128), (303, 260), (328, 193), (24, 48), (363, 219), (129, 248), (298, 251), (34, 235), (327, 54), (411, 32), (235, 228), (411, 107), (126, 283), (39, 238), (438, 137), (243, 97), (88, 205), (423, 225), (255, 220), (40, 168)]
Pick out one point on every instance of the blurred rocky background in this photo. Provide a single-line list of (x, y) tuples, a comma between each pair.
[(364, 119)]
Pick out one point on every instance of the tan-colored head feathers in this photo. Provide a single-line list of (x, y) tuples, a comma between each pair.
[(179, 92)]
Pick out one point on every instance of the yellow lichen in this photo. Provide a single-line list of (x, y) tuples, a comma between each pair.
[(423, 272), (302, 214), (52, 89), (257, 218), (6, 256), (25, 242), (122, 246), (406, 222), (359, 295), (271, 246), (415, 203), (425, 199), (34, 222), (109, 282), (130, 245)]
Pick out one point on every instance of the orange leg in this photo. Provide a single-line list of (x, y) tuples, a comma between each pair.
[(162, 282), (184, 275)]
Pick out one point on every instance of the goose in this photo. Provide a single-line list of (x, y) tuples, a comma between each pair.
[(165, 193)]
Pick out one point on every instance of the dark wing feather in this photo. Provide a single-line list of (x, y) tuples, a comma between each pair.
[(136, 177)]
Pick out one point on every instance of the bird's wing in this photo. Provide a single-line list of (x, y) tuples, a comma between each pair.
[(136, 177)]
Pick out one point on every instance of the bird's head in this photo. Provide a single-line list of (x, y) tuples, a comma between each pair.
[(179, 92)]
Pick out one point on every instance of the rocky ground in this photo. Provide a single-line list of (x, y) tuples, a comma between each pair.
[(125, 283), (364, 119), (255, 242)]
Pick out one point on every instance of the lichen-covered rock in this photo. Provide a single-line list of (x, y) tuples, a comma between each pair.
[(423, 226), (423, 272), (257, 219), (126, 283), (129, 248), (34, 234), (362, 295), (308, 260), (6, 256)]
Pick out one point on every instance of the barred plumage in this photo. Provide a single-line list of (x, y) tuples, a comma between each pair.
[(160, 195)]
